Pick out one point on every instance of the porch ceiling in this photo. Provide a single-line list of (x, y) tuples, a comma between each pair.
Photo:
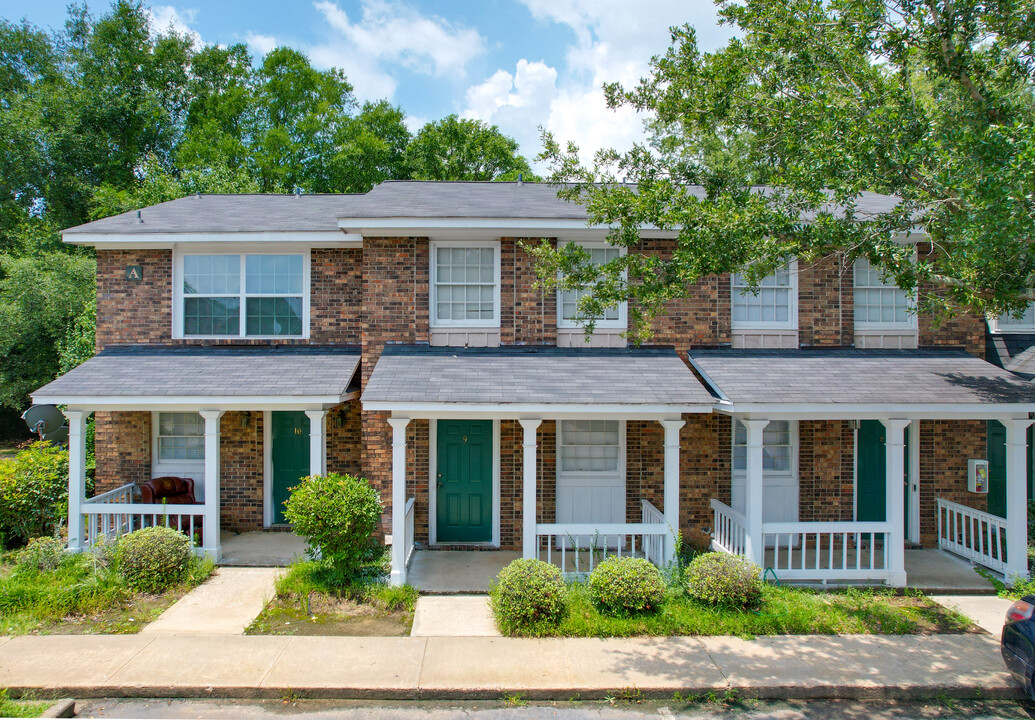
[(545, 380), (212, 376), (847, 381)]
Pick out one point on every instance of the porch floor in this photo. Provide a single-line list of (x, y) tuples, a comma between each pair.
[(933, 570), (438, 572), (261, 548)]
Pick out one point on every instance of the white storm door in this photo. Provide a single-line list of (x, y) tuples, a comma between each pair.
[(590, 477)]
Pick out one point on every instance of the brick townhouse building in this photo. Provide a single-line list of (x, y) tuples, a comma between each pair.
[(820, 426)]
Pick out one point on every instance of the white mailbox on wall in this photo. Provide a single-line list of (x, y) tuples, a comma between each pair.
[(977, 476)]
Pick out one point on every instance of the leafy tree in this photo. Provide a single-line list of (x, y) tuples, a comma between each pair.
[(460, 149), (931, 100)]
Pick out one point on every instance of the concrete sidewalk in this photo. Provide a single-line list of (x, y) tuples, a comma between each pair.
[(226, 603), (853, 667)]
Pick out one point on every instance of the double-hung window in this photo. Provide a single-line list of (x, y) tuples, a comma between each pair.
[(242, 295), (590, 446), (180, 437), (465, 285), (568, 300), (1008, 323), (774, 305), (777, 447), (879, 303)]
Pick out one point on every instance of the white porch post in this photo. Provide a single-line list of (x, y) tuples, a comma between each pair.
[(754, 491), (895, 469), (211, 544), (1016, 499), (76, 477), (316, 441), (398, 576), (671, 492), (529, 548)]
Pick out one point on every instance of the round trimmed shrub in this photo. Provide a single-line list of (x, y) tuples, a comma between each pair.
[(626, 585), (717, 578), (337, 515), (42, 553), (528, 597), (153, 559)]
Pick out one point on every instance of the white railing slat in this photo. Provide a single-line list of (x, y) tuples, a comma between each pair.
[(973, 534)]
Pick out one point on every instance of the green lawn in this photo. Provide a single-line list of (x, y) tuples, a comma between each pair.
[(80, 597), (783, 611)]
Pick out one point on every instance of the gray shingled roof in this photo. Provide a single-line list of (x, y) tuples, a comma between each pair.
[(848, 376), (209, 371), (228, 213), (539, 375), (393, 199)]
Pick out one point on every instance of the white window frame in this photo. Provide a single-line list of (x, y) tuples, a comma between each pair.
[(792, 316), (618, 473), (159, 467), (791, 472), (623, 319), (908, 324), (995, 326), (435, 245), (179, 295)]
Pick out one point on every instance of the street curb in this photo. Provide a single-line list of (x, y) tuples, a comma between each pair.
[(791, 692), (63, 708)]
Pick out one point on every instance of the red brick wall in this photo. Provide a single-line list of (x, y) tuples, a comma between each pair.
[(967, 330), (240, 471), (528, 316), (336, 295), (704, 461), (122, 449), (644, 467), (825, 303), (945, 447), (344, 449), (826, 470), (133, 312)]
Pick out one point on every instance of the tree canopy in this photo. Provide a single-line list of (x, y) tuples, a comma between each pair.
[(929, 100), (110, 114)]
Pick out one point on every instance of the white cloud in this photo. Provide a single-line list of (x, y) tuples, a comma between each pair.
[(389, 33), (614, 41), (259, 45), (164, 17)]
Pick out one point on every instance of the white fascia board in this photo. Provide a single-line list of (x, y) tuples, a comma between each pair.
[(517, 411), (325, 238), (484, 227), (875, 411), (184, 402)]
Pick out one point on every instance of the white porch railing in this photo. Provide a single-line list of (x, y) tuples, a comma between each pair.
[(822, 551), (579, 547), (973, 534), (729, 529), (410, 534), (114, 513), (653, 545)]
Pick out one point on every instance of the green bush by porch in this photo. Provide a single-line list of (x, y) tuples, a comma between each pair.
[(337, 516), (33, 493), (626, 585)]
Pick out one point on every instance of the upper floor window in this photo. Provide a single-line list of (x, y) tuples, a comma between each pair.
[(568, 300), (775, 305), (465, 284), (180, 436), (1008, 323), (247, 295), (879, 302)]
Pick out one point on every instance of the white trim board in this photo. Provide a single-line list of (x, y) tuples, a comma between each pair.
[(875, 411), (518, 411), (184, 402), (167, 241)]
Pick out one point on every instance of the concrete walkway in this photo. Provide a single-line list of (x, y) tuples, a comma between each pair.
[(453, 616), (852, 667), (225, 604), (986, 611)]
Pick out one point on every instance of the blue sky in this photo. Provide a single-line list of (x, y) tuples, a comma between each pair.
[(514, 63)]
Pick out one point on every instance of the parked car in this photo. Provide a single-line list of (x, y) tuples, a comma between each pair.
[(1018, 642)]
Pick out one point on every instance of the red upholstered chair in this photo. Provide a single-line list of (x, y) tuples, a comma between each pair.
[(170, 490)]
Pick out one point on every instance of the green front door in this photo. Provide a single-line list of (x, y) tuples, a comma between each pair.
[(289, 456), (871, 490), (464, 481), (870, 471), (996, 454)]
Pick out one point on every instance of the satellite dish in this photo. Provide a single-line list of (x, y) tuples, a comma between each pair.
[(57, 437), (43, 419)]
